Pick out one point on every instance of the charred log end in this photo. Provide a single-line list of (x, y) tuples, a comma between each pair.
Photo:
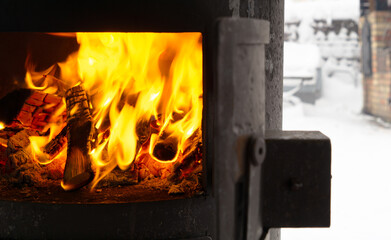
[(188, 166), (166, 148), (77, 182), (165, 151), (77, 172)]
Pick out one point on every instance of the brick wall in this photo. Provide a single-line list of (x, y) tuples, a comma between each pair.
[(377, 94)]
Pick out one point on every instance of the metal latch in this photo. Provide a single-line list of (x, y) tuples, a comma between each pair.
[(295, 179)]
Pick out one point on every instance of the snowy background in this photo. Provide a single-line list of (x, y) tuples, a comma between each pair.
[(361, 144)]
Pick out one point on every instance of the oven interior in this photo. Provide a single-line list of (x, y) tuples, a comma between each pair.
[(143, 96)]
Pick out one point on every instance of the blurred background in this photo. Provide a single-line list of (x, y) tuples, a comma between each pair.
[(337, 79)]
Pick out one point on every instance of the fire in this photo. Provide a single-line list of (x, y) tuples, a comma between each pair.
[(54, 127), (133, 80)]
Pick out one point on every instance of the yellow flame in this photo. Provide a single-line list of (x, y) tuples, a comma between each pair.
[(38, 143), (2, 126), (132, 78)]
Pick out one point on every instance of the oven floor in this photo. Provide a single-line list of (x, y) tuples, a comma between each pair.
[(53, 193)]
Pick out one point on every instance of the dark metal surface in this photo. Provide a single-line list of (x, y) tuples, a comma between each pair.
[(201, 238), (238, 102), (137, 15), (273, 11), (296, 177), (256, 150), (178, 219), (170, 15), (239, 107)]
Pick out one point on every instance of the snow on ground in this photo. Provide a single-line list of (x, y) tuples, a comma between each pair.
[(361, 162)]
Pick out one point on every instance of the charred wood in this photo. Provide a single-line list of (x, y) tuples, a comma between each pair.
[(12, 103), (191, 159), (34, 113), (78, 172), (143, 131), (166, 150), (57, 144)]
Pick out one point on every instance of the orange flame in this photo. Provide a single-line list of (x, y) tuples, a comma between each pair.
[(132, 78)]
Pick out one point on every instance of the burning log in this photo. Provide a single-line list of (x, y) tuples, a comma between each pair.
[(149, 167), (22, 108), (26, 113), (78, 172), (143, 131), (191, 159), (37, 111), (166, 149), (57, 144), (12, 103), (185, 167)]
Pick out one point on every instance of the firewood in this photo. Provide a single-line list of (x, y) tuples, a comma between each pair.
[(12, 103), (166, 149), (57, 144), (78, 172), (35, 112), (143, 131), (180, 167), (191, 158)]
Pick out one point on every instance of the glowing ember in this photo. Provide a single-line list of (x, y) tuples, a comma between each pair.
[(146, 96)]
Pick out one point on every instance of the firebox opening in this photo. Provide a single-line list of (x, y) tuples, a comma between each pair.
[(112, 112)]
